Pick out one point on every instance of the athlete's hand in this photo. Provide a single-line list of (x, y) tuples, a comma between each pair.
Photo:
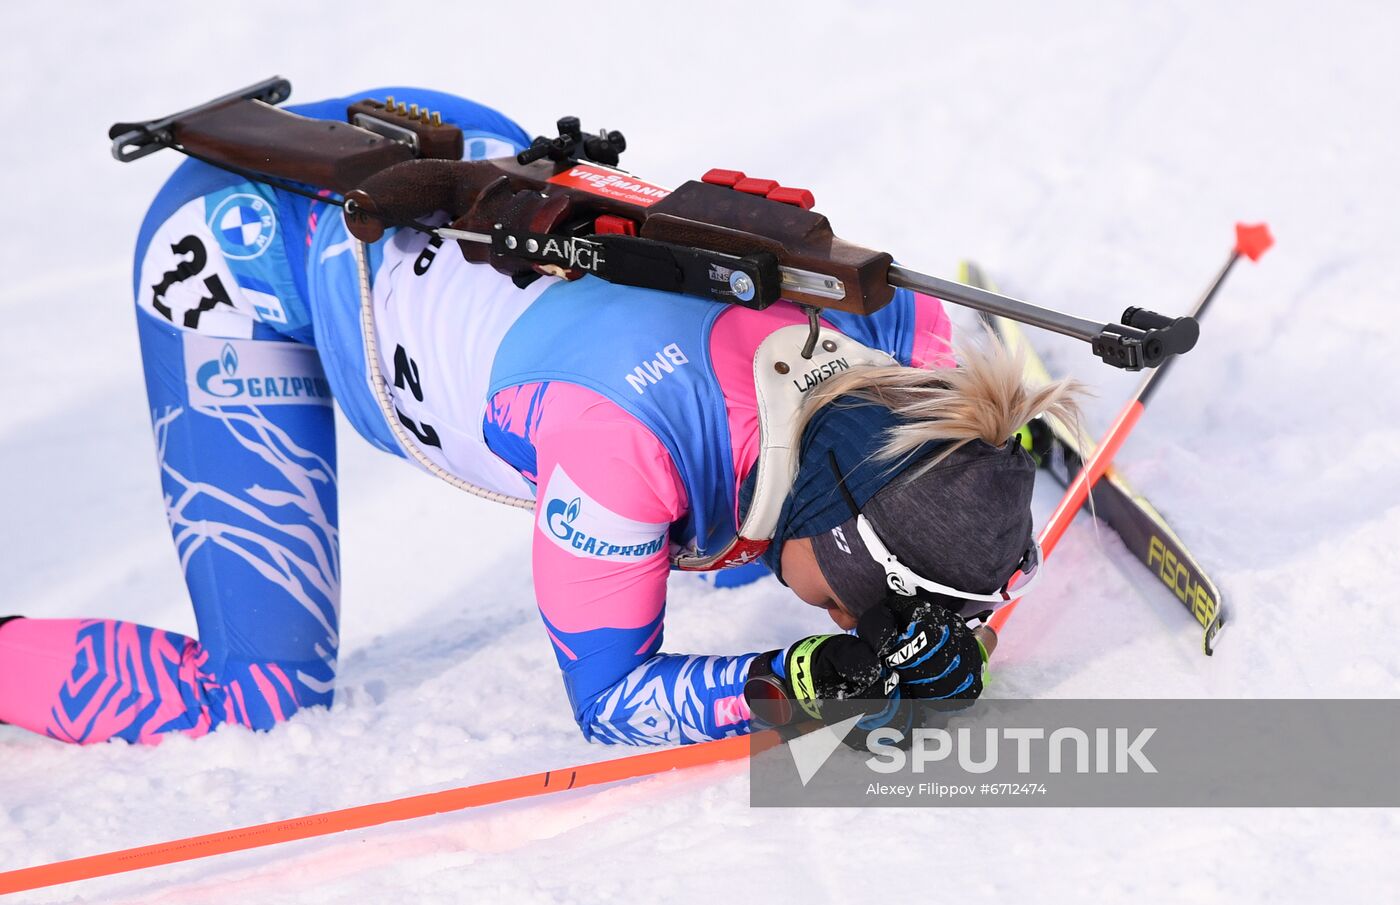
[(928, 647), (821, 677), (908, 648)]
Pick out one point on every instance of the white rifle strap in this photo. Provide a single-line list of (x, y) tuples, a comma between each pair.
[(380, 388)]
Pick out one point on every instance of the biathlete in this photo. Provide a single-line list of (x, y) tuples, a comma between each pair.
[(649, 430)]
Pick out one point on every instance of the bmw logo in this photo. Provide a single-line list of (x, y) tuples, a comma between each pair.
[(244, 226)]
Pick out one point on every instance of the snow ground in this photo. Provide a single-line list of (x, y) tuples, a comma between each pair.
[(1091, 156)]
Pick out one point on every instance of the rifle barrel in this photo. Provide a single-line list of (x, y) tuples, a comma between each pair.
[(995, 303)]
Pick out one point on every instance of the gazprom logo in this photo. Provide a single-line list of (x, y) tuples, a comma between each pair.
[(224, 367), (561, 516), (253, 372), (583, 527)]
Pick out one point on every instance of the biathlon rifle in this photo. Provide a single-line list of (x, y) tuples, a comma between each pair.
[(562, 208)]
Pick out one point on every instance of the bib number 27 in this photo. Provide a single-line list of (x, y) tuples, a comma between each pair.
[(406, 378)]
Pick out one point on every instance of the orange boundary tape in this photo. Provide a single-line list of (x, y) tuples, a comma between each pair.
[(325, 824)]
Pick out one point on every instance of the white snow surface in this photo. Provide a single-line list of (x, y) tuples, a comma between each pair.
[(1089, 155)]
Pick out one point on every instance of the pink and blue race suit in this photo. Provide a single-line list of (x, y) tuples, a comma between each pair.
[(629, 416)]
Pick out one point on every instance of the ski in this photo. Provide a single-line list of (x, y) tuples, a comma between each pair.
[(1144, 531)]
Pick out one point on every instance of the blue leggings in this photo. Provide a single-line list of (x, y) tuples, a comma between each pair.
[(245, 441)]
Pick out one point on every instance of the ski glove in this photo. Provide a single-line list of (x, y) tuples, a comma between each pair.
[(813, 679), (904, 648), (928, 647)]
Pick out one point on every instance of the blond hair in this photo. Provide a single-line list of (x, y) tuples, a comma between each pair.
[(985, 398)]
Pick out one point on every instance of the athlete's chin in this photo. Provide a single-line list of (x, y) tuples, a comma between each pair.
[(844, 620)]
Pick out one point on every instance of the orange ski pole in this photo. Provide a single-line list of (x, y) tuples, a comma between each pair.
[(1078, 491), (1251, 241)]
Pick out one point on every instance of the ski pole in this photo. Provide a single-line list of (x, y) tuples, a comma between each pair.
[(1251, 241), (364, 816)]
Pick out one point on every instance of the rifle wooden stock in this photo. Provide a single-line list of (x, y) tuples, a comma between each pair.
[(388, 182), (722, 219), (480, 194), (253, 136)]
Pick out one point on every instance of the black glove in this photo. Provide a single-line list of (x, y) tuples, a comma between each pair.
[(904, 648), (814, 678), (928, 647)]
